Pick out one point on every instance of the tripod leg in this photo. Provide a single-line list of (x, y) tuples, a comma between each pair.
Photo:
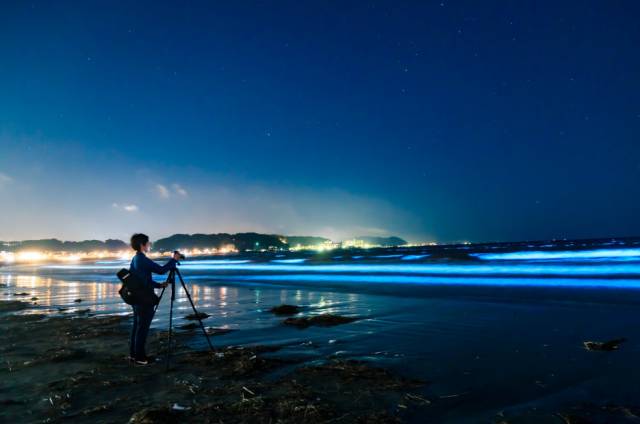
[(171, 279), (159, 300), (161, 294), (184, 286)]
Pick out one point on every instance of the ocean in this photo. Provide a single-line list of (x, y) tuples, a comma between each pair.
[(495, 329)]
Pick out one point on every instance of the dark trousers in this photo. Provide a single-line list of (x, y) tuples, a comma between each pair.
[(142, 316)]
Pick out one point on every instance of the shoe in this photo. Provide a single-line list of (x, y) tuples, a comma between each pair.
[(146, 359), (142, 361), (130, 358)]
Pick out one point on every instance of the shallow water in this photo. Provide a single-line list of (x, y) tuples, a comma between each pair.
[(492, 334)]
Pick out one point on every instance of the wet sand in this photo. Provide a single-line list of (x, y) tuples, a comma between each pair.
[(72, 368)]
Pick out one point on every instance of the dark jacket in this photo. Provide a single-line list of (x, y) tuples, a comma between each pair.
[(143, 267)]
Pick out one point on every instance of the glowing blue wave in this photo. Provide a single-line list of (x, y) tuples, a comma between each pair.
[(288, 261), (592, 260), (441, 281), (423, 268), (568, 254), (219, 261), (413, 257)]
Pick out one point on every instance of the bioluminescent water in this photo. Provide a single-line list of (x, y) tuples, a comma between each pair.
[(566, 255), (496, 328), (603, 268)]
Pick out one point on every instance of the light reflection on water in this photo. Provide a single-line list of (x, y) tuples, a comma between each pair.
[(55, 295)]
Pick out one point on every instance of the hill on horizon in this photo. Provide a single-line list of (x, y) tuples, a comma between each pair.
[(241, 241)]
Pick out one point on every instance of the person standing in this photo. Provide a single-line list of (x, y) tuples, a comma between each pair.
[(144, 267)]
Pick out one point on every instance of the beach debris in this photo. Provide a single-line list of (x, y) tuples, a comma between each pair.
[(22, 294), (214, 331), (285, 309), (199, 315), (417, 399), (454, 395), (78, 300), (604, 346), (178, 407), (34, 298), (96, 409), (324, 320)]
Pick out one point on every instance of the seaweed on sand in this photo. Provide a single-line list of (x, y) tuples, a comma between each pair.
[(607, 346), (352, 372), (199, 315), (285, 309), (324, 320), (212, 331), (234, 361), (12, 305)]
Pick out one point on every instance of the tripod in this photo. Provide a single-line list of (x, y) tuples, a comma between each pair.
[(171, 279)]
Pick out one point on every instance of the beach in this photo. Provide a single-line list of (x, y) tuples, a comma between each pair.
[(451, 341)]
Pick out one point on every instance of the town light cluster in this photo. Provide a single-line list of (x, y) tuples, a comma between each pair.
[(35, 256)]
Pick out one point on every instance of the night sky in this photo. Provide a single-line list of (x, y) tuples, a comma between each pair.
[(446, 121)]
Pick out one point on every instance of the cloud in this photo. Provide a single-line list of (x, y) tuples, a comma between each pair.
[(162, 191), (5, 180), (125, 207), (180, 190)]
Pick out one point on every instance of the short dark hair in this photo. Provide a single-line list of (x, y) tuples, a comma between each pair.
[(137, 240)]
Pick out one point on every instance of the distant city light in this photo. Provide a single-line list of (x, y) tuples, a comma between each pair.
[(33, 256)]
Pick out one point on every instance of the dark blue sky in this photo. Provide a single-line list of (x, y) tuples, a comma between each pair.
[(429, 120)]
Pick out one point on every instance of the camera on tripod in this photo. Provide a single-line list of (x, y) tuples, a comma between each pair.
[(181, 256)]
